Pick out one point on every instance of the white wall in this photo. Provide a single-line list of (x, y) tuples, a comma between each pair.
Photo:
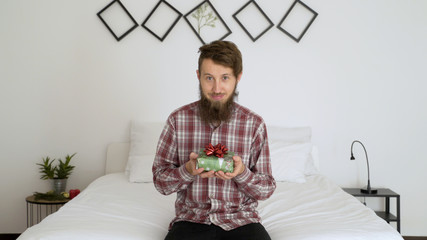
[(66, 85)]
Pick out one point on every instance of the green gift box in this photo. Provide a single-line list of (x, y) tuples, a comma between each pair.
[(209, 163)]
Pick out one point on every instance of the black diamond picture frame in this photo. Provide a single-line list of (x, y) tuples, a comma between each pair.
[(175, 21), (113, 30), (289, 12), (253, 36), (196, 12)]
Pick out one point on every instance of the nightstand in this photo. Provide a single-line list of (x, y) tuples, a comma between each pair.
[(384, 193), (39, 209)]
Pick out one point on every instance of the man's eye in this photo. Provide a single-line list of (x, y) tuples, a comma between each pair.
[(225, 78), (209, 78)]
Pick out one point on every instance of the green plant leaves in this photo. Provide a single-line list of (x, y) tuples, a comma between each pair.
[(62, 171), (46, 168)]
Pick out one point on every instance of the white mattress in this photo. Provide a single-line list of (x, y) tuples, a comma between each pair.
[(113, 208)]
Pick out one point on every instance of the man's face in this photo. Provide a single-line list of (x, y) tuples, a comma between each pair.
[(217, 82)]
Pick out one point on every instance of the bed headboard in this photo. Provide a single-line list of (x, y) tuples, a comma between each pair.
[(117, 157), (118, 153)]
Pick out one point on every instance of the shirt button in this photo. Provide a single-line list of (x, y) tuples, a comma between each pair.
[(211, 196)]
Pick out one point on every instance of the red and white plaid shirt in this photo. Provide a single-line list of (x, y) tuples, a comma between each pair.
[(228, 204)]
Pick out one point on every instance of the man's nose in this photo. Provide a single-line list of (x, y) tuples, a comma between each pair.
[(216, 86)]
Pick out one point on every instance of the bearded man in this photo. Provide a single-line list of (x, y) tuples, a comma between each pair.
[(209, 204)]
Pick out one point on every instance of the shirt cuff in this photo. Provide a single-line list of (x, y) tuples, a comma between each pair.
[(244, 176), (185, 174)]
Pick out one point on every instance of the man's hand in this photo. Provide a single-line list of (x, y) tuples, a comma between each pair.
[(191, 167), (239, 167)]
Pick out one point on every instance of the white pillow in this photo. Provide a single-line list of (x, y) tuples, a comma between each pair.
[(312, 164), (293, 135), (143, 141), (141, 168), (144, 137), (288, 161), (290, 135)]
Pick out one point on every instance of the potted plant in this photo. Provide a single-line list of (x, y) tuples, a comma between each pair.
[(59, 173)]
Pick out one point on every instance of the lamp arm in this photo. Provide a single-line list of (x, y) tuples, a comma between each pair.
[(367, 161)]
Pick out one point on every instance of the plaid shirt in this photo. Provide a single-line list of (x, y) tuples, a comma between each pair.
[(228, 204)]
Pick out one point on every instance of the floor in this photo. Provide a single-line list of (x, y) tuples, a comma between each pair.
[(4, 236), (15, 236)]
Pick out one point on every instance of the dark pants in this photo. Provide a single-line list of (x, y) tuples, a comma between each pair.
[(196, 231)]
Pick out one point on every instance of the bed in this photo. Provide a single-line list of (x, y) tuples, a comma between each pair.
[(123, 204)]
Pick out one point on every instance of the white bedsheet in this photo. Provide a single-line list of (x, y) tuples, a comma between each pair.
[(113, 208), (319, 209)]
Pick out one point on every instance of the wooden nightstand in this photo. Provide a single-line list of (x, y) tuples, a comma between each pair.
[(42, 209), (384, 193)]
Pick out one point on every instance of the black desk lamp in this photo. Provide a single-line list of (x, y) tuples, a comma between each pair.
[(368, 189)]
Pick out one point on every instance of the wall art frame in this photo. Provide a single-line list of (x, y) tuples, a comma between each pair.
[(253, 36), (205, 10), (289, 13), (104, 15), (169, 29)]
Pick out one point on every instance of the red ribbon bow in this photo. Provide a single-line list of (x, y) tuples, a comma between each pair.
[(217, 150)]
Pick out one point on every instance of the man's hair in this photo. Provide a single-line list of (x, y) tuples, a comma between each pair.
[(224, 53)]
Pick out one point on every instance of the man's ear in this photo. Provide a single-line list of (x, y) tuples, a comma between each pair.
[(239, 77), (198, 74)]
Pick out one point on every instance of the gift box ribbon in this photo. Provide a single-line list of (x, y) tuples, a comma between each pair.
[(218, 150)]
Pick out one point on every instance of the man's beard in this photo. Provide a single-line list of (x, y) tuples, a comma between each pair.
[(216, 112)]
